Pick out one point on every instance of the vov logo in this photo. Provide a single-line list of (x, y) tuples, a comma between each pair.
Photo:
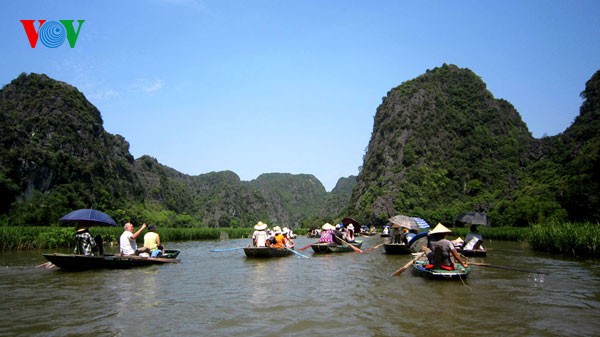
[(52, 34)]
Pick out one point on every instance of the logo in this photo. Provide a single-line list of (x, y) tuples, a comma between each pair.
[(52, 34)]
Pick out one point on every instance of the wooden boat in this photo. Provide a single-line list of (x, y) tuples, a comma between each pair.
[(264, 252), (440, 274), (330, 247), (396, 248), (473, 252), (76, 262)]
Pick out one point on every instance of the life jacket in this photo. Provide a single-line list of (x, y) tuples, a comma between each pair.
[(279, 241)]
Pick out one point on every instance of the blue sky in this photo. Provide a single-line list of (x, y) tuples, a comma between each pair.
[(292, 86)]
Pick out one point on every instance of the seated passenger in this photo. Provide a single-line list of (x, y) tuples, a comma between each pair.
[(259, 237)]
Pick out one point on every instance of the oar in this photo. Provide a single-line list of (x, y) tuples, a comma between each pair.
[(356, 249), (373, 248), (299, 254), (507, 268), (226, 249), (306, 247), (47, 265), (408, 264)]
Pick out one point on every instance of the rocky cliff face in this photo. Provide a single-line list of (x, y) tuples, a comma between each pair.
[(56, 156), (442, 145)]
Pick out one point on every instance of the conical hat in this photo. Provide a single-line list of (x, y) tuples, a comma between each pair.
[(260, 226), (327, 226), (439, 229)]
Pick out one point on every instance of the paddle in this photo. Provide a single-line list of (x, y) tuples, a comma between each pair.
[(47, 265), (373, 248), (356, 249), (408, 264), (226, 249), (507, 268), (306, 247), (299, 254)]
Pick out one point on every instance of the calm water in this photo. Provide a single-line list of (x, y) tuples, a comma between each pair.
[(349, 294)]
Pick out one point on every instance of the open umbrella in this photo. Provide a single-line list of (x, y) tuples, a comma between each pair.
[(347, 221), (473, 218), (88, 217), (404, 221), (422, 223)]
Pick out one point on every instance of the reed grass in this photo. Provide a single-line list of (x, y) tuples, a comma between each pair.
[(25, 238), (496, 233), (575, 239)]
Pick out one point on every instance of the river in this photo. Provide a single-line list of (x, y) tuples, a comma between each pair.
[(345, 294)]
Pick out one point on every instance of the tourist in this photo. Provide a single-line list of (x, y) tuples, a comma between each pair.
[(326, 233), (152, 242), (85, 245), (127, 244), (350, 233), (440, 250), (259, 237), (279, 240), (287, 233), (473, 240), (398, 233)]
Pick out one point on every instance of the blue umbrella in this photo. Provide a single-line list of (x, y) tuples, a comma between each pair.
[(422, 223), (89, 217)]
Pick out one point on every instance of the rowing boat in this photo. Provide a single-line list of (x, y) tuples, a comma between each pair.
[(472, 252), (264, 252), (331, 247), (396, 248), (440, 274), (76, 262)]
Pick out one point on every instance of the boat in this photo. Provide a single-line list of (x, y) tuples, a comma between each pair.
[(396, 248), (331, 247), (460, 273), (473, 252), (264, 252), (75, 262)]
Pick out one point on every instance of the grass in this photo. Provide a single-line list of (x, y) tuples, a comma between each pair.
[(573, 239)]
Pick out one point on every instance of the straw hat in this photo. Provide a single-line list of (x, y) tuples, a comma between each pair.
[(286, 230), (260, 226), (327, 226), (439, 229), (395, 226), (350, 226), (277, 230)]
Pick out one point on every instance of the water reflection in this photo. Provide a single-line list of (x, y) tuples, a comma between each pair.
[(226, 294)]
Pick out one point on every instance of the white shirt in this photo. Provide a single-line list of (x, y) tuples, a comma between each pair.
[(260, 238), (127, 244)]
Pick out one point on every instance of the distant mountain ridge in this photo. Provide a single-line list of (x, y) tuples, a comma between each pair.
[(56, 153), (441, 145)]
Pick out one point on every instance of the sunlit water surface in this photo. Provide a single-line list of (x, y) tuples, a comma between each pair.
[(349, 294)]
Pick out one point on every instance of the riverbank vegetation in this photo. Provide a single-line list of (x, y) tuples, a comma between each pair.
[(571, 239)]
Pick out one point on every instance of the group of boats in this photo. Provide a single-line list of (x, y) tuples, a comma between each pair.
[(420, 265)]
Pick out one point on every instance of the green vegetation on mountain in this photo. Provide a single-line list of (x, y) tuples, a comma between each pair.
[(441, 145)]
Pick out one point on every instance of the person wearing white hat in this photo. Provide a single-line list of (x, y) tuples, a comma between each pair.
[(326, 233), (441, 250), (279, 240), (350, 233), (259, 237)]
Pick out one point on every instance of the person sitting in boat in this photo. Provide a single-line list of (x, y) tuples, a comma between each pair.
[(287, 233), (386, 230), (350, 233), (398, 234), (86, 244), (152, 242), (127, 244), (473, 240), (260, 236), (279, 240), (326, 233), (440, 250), (338, 235)]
